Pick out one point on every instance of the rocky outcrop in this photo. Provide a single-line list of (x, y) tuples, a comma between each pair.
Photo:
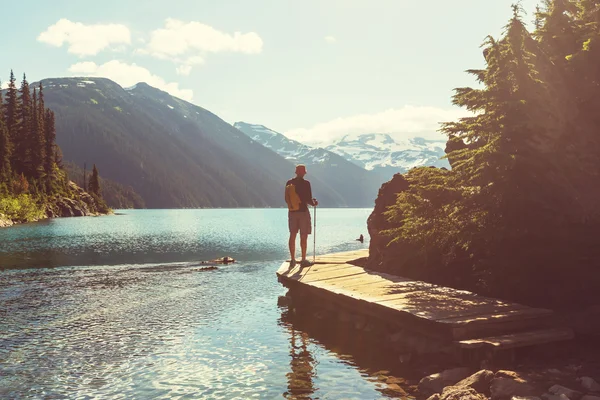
[(379, 252), (79, 204), (508, 385), (5, 222)]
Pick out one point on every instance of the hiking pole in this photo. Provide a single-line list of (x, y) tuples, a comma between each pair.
[(315, 236)]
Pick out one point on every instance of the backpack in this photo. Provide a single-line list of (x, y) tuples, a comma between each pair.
[(291, 198)]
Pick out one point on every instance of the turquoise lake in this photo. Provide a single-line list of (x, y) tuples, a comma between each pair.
[(115, 307)]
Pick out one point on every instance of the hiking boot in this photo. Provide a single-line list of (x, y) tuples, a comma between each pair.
[(292, 263), (305, 263)]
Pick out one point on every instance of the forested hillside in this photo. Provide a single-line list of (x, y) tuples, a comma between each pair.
[(33, 183)]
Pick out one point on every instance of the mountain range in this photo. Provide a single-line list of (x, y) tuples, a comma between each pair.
[(356, 185), (157, 150), (381, 153), (170, 152), (378, 154)]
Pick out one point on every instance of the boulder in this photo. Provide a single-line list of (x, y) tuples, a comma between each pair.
[(589, 384), (509, 384), (569, 393), (461, 393), (377, 222), (436, 383), (547, 396), (479, 381)]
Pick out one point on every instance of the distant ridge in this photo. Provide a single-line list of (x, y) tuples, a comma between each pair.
[(170, 152)]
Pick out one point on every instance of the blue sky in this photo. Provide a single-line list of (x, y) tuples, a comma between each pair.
[(314, 69)]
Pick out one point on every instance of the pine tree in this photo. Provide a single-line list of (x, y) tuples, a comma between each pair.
[(41, 127), (11, 118), (5, 170), (50, 160), (5, 149), (23, 153), (36, 139), (94, 185)]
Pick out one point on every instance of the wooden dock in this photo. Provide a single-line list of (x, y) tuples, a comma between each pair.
[(464, 319)]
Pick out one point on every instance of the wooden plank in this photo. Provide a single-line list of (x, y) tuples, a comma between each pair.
[(422, 306)]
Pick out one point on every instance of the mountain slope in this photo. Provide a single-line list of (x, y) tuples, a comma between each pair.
[(358, 186), (171, 152), (381, 153)]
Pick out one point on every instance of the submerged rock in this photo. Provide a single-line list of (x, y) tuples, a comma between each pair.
[(436, 383), (589, 384), (509, 384)]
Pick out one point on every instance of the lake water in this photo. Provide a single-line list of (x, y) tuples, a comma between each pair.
[(115, 307)]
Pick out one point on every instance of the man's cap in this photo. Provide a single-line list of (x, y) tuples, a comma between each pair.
[(300, 168)]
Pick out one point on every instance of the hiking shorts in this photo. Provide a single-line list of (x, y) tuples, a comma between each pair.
[(299, 221)]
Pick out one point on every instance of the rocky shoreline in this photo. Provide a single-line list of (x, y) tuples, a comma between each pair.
[(82, 204), (569, 383)]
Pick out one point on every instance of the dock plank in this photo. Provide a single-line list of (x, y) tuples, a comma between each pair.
[(462, 314)]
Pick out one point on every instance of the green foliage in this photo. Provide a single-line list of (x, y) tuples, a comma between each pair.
[(31, 174), (21, 208), (94, 185), (523, 164)]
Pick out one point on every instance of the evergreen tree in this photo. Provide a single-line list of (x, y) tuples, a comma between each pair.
[(94, 185), (11, 117), (50, 160), (5, 149), (36, 139), (5, 170), (23, 153)]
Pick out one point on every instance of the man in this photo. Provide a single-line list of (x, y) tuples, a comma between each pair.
[(298, 196)]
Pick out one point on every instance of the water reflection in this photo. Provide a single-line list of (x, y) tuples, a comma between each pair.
[(358, 349), (300, 378)]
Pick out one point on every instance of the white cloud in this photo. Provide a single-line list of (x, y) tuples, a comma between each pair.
[(186, 68), (183, 70), (330, 39), (128, 75), (4, 85), (85, 40), (403, 123), (179, 38)]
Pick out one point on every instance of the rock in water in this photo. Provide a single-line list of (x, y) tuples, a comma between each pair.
[(437, 382), (569, 393), (589, 384), (461, 393), (508, 384), (479, 381)]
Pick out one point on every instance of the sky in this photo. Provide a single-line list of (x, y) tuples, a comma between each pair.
[(314, 70)]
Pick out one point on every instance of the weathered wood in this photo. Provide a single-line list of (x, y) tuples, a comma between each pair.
[(453, 315)]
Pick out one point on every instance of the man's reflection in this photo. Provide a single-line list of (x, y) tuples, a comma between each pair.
[(300, 378)]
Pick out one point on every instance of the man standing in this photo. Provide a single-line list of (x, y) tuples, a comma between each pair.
[(298, 196)]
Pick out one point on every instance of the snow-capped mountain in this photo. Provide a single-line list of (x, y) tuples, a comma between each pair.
[(380, 152), (357, 186), (289, 149)]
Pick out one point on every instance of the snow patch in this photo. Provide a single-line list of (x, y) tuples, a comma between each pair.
[(90, 82), (170, 106), (131, 87)]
